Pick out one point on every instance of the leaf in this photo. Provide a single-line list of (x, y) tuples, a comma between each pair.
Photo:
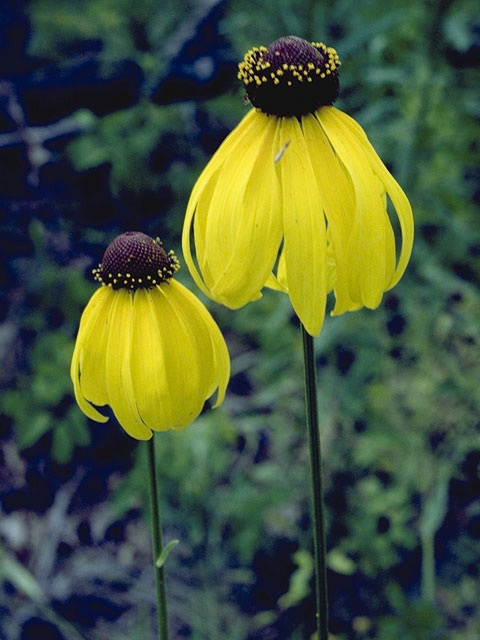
[(31, 431), (340, 562), (299, 586), (164, 554), (20, 577), (62, 444), (434, 507)]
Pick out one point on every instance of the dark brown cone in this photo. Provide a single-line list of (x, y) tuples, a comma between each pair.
[(134, 260), (290, 77)]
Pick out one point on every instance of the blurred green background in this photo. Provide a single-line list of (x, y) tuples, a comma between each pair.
[(109, 109)]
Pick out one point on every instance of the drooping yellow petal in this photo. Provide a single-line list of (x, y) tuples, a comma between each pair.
[(304, 228), (390, 249), (200, 198), (331, 264), (200, 227), (168, 354), (367, 245), (244, 225), (88, 367), (394, 191), (192, 323), (210, 347), (239, 143), (121, 395), (182, 401), (235, 140), (338, 198), (93, 362), (148, 366)]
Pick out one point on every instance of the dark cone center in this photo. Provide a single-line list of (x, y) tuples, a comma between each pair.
[(290, 77), (134, 260)]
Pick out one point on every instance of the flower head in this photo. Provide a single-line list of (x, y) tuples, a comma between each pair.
[(146, 345), (290, 78), (296, 198)]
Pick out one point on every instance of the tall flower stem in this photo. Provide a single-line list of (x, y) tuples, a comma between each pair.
[(321, 593), (428, 567), (157, 544)]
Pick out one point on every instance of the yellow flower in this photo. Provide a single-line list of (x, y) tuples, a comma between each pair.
[(146, 345), (296, 198)]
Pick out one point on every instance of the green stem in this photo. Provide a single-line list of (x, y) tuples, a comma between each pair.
[(428, 568), (157, 544), (321, 593)]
